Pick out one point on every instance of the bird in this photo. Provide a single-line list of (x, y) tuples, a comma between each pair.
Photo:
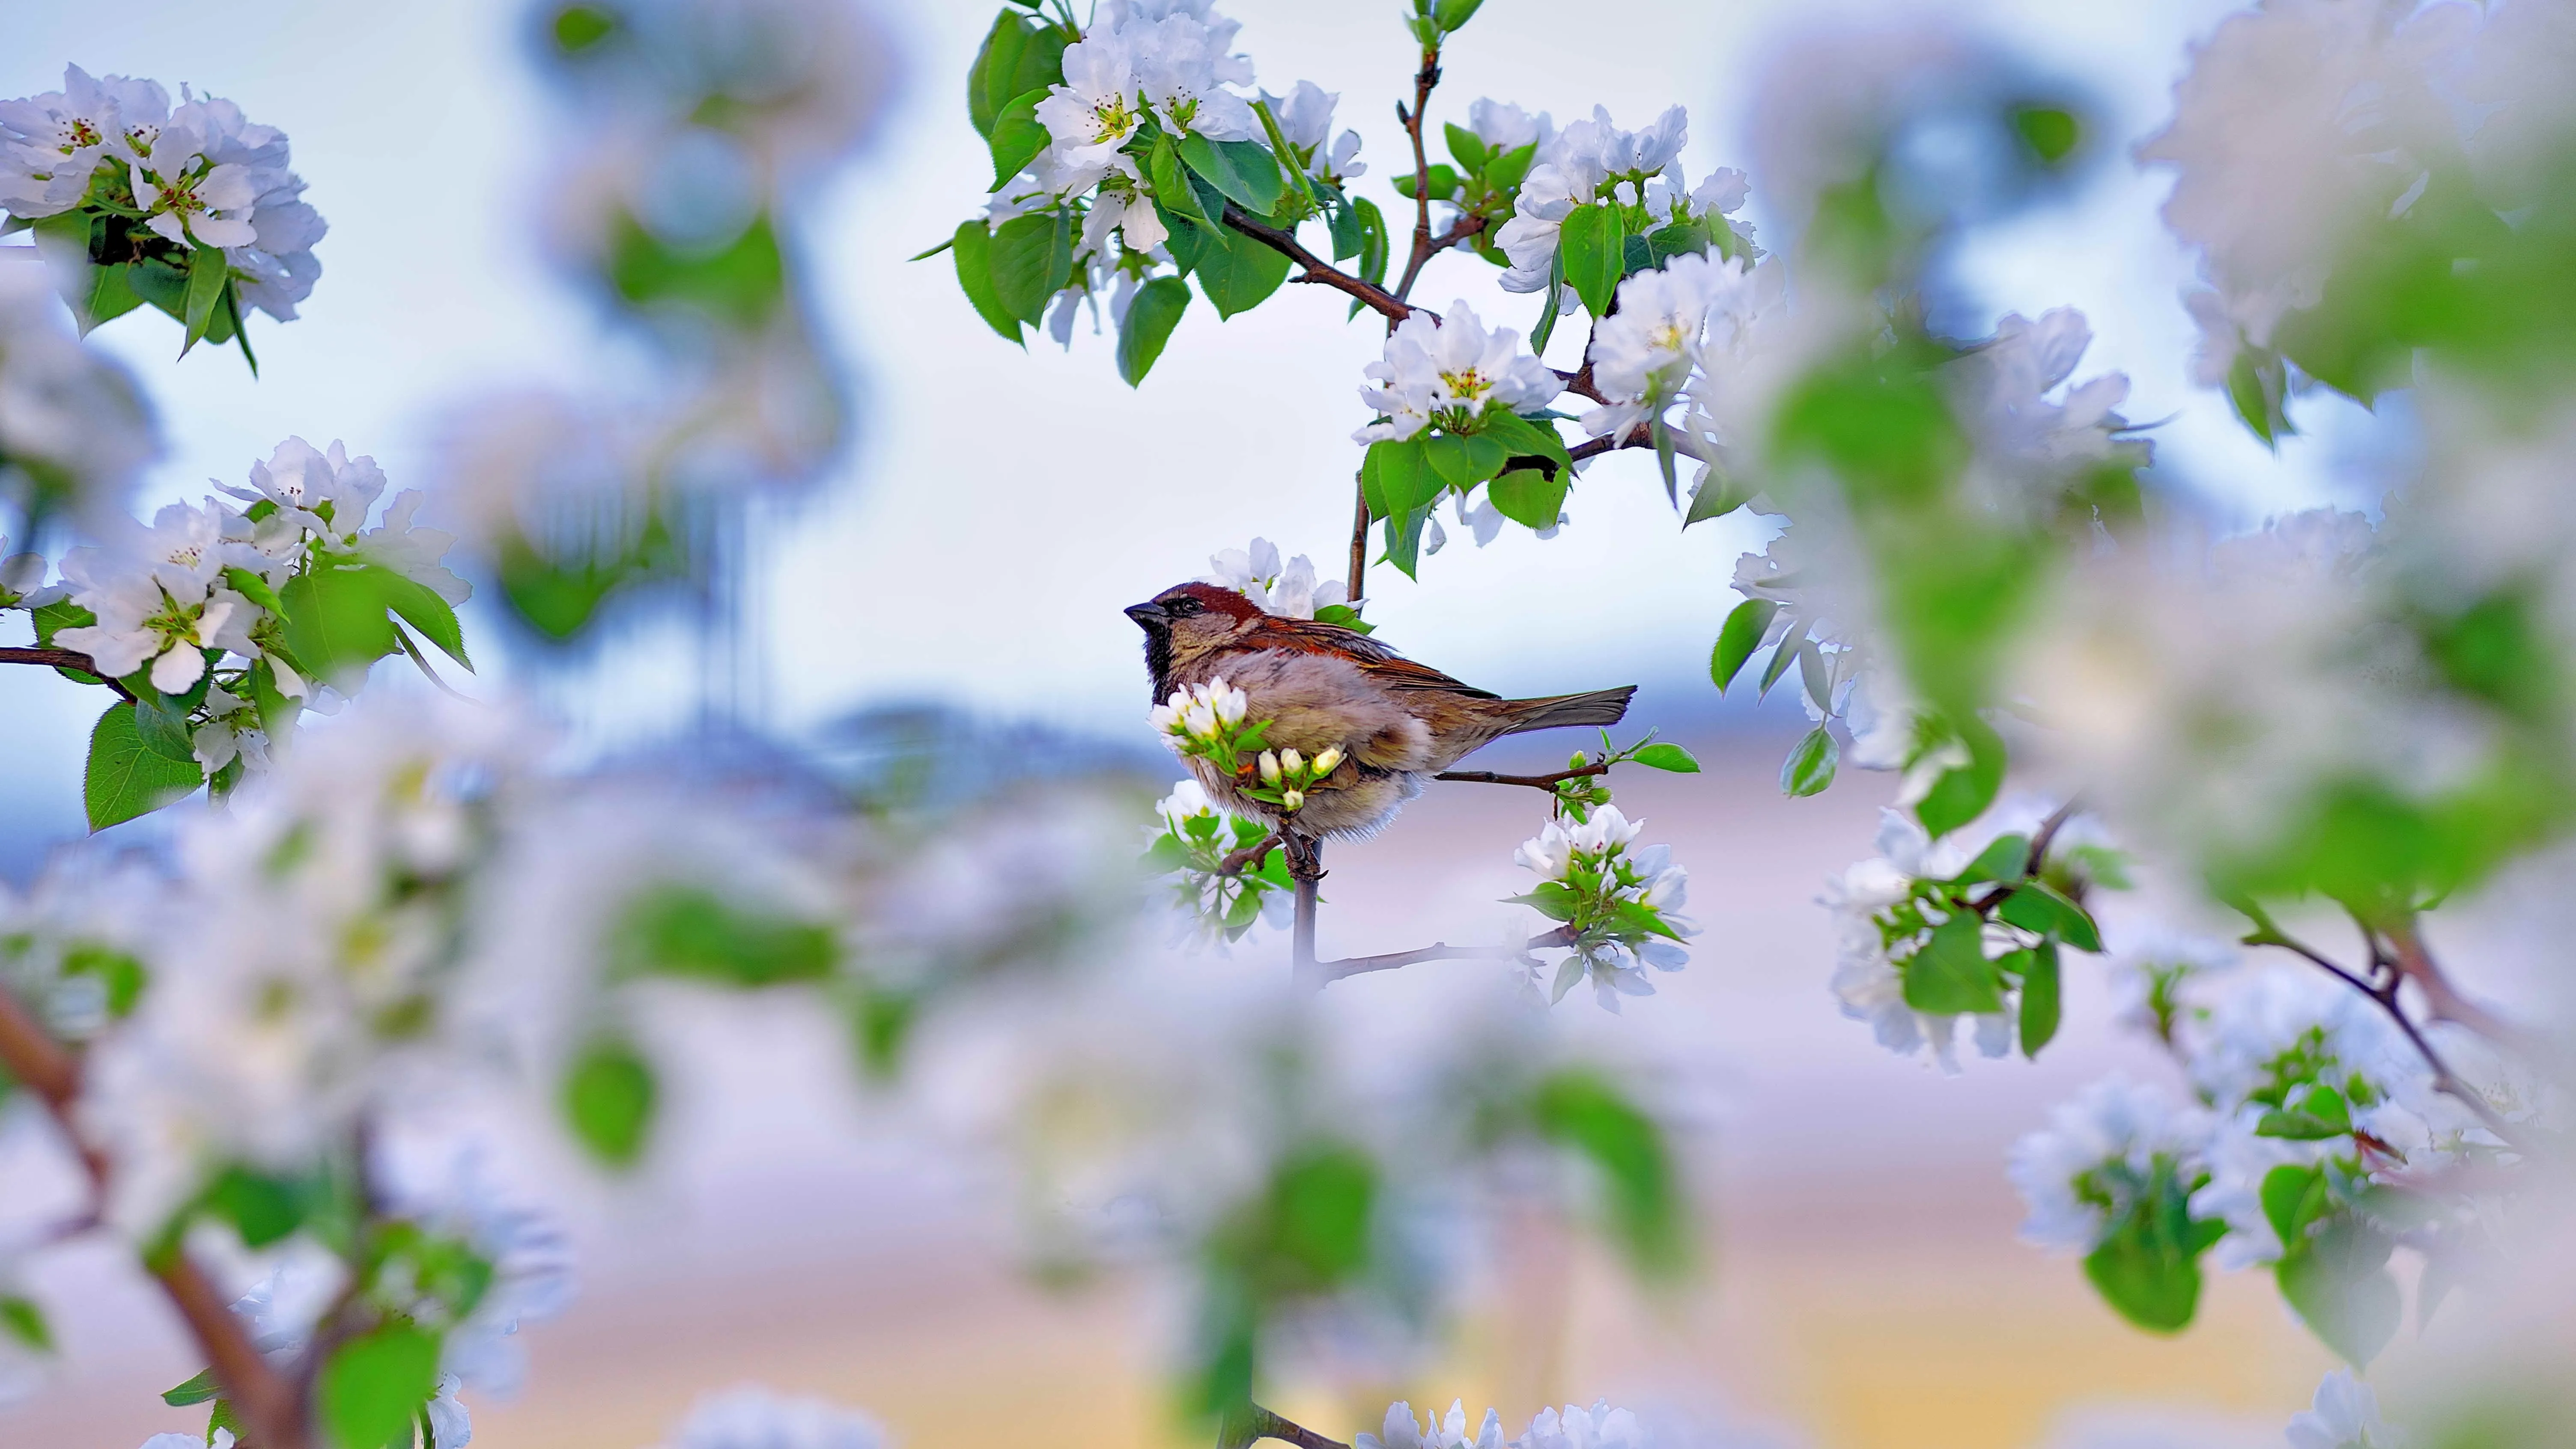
[(1389, 723)]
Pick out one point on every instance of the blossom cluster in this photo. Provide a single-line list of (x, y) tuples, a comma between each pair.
[(1598, 1427), (1192, 842), (222, 625), (1289, 590), (1620, 907), (75, 433), (107, 169)]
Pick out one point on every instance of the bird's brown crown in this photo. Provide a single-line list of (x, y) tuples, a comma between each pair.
[(1211, 598)]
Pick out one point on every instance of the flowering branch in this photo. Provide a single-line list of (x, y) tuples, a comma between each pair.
[(1423, 248), (1378, 299), (267, 1403), (61, 659), (2391, 976)]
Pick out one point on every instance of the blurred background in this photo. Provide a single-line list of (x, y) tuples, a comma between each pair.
[(972, 547)]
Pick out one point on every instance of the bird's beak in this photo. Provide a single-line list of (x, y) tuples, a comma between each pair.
[(1149, 617)]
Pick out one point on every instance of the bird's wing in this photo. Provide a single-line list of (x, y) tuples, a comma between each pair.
[(1387, 668)]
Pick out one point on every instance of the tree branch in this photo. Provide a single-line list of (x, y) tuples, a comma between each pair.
[(2441, 998), (62, 659), (1423, 80), (1535, 782), (268, 1405), (1359, 538), (2385, 993), (1316, 268), (1251, 855), (1324, 973)]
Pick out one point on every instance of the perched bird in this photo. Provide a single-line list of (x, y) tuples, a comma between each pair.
[(1394, 723)]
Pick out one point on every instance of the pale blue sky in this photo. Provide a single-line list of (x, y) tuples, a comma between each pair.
[(1000, 508)]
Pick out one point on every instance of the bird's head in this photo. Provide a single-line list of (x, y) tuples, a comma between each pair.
[(1185, 621)]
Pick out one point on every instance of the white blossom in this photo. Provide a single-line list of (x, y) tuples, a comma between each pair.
[(154, 599), (2098, 1153), (1200, 714), (1645, 354), (1577, 166), (1601, 881), (328, 492), (1305, 117), (74, 430), (50, 144), (1451, 370), (1503, 126), (1288, 590), (413, 552), (1599, 1427), (751, 1417), (1093, 111), (2345, 1416), (2004, 384)]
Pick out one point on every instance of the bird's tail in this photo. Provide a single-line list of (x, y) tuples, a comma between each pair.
[(1599, 707)]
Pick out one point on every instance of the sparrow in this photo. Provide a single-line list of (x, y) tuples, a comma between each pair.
[(1392, 723)]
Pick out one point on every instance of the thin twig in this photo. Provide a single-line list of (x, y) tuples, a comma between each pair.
[(1535, 782), (2385, 993), (1423, 80), (2046, 836), (1579, 382), (1317, 269), (2441, 998), (1359, 539), (63, 659), (268, 1405), (1251, 855), (1325, 973)]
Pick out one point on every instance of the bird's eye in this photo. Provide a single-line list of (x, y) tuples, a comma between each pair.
[(1185, 605)]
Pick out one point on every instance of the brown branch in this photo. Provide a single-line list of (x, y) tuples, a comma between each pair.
[(1241, 1431), (1579, 382), (268, 1405), (2046, 835), (1251, 855), (1535, 782), (1359, 537), (1324, 973), (1423, 80), (2384, 992), (2441, 998), (1316, 268), (62, 659)]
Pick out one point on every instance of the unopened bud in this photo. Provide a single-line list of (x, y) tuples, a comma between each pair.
[(1291, 799), (1326, 762), (1293, 762), (1269, 768)]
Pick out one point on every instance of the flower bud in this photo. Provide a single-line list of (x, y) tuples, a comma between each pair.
[(1293, 762), (1291, 799), (1270, 767), (1327, 761)]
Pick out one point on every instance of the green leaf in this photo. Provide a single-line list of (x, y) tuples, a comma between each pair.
[(1452, 14), (2051, 132), (1349, 235), (208, 274), (162, 283), (1739, 638), (1464, 460), (2340, 1285), (974, 244), (1677, 239), (110, 295), (1530, 497), (739, 284), (24, 1323), (2319, 1115), (161, 720), (1172, 184), (693, 933), (2293, 1197), (1018, 136), (1810, 767), (1032, 259), (263, 1209), (2148, 1267), (1950, 975), (2038, 906), (1963, 793), (124, 779), (1322, 1205), (1151, 315), (1661, 756), (1373, 244), (1344, 616), (254, 588), (2039, 999), (375, 1385), (2258, 388), (1504, 170), (1401, 477), (1717, 495), (1404, 537), (419, 605), (1018, 56), (1783, 654), (1593, 248), (1244, 171), (1527, 437), (1240, 275), (608, 1098), (1648, 1214), (195, 1391), (2006, 857), (1467, 146), (337, 621)]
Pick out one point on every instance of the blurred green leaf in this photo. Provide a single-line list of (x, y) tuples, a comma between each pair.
[(1962, 793), (2051, 132), (689, 931), (609, 1095), (2147, 1266), (1949, 974), (2035, 905), (739, 283), (2339, 1283), (1647, 1209), (375, 1385), (23, 1323), (2039, 1000), (262, 1208)]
